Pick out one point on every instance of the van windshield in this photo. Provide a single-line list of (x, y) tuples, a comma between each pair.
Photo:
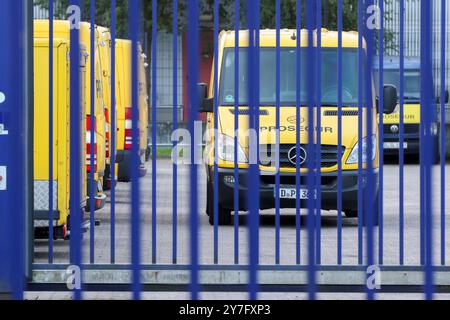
[(288, 79), (411, 82)]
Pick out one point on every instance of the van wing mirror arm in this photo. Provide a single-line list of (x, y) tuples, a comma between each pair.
[(207, 105)]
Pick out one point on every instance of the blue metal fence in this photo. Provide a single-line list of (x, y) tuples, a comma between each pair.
[(13, 116), (194, 275)]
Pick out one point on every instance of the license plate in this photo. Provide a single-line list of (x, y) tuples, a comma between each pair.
[(394, 145), (291, 193)]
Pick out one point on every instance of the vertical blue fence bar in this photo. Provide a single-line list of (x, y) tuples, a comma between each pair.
[(133, 16), (369, 187), (430, 149), (236, 129), (12, 199), (50, 134), (380, 132), (93, 133), (426, 103), (175, 127), (193, 15), (113, 136), (154, 136), (401, 133), (253, 15), (442, 131), (311, 56), (339, 151), (216, 124), (423, 34), (298, 102), (360, 133), (75, 146), (277, 126), (317, 193)]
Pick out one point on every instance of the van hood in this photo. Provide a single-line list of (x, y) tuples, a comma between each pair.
[(267, 119)]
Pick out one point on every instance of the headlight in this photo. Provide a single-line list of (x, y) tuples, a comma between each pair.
[(226, 149), (353, 157)]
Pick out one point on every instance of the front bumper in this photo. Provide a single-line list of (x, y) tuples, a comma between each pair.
[(99, 197), (412, 142), (328, 189), (411, 137)]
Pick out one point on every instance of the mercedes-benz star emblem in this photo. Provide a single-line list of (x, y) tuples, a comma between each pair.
[(292, 155), (394, 128)]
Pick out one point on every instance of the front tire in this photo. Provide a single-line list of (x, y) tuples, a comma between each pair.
[(375, 216), (148, 153), (107, 178), (435, 157), (224, 215)]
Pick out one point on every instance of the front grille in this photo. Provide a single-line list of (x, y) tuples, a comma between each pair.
[(334, 113), (328, 156), (246, 112), (407, 128)]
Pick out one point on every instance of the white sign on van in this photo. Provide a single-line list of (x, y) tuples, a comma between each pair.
[(2, 178)]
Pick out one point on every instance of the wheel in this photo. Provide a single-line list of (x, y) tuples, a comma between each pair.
[(209, 196), (148, 153), (375, 217), (435, 157), (436, 154), (107, 178), (224, 217), (223, 214)]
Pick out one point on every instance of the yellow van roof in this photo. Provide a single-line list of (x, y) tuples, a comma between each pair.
[(123, 42), (105, 34), (61, 29), (102, 29), (288, 38)]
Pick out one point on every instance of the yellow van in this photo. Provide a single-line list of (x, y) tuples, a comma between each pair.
[(267, 130), (62, 31), (61, 135), (105, 65), (123, 107)]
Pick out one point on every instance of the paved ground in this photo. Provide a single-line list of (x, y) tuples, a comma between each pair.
[(267, 230)]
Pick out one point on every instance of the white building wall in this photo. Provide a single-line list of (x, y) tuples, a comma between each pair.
[(412, 33)]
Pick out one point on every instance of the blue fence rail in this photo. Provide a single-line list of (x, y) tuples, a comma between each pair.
[(156, 239)]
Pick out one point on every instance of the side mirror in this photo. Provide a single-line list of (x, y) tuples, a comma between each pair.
[(438, 99), (204, 104), (389, 98)]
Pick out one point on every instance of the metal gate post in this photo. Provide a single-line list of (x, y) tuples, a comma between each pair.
[(427, 100), (75, 146), (13, 134), (28, 171), (193, 16)]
